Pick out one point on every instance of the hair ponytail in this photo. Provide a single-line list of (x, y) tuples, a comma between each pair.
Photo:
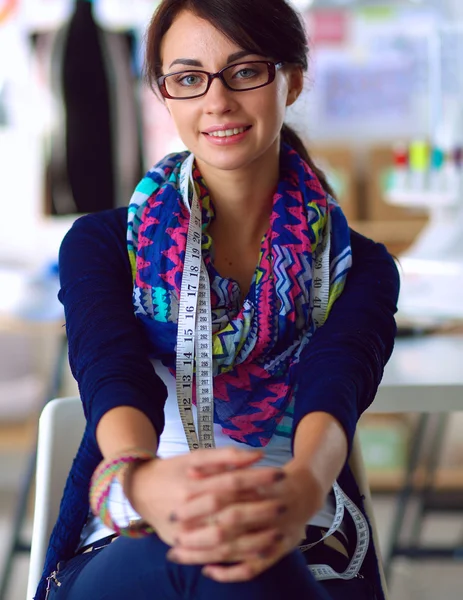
[(290, 137)]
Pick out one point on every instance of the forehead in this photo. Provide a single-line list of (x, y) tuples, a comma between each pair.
[(195, 38)]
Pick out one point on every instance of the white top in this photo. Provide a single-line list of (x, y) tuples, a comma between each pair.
[(173, 442)]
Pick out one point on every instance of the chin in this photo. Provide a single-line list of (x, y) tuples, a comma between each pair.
[(229, 159)]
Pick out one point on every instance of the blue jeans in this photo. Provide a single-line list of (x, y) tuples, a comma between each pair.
[(139, 570)]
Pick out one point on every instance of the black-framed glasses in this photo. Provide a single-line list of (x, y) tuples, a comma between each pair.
[(240, 77)]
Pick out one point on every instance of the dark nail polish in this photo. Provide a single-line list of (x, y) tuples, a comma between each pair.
[(282, 509), (266, 553), (279, 537), (172, 556), (173, 518), (280, 476)]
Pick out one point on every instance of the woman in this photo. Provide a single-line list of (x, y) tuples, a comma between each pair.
[(256, 511)]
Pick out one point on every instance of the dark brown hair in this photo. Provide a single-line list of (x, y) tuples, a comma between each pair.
[(265, 27)]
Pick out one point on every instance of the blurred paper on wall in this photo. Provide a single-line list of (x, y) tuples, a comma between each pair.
[(45, 15)]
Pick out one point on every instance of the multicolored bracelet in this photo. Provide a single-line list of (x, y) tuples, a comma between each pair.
[(100, 486)]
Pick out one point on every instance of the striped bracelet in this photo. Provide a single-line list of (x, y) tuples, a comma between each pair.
[(100, 486)]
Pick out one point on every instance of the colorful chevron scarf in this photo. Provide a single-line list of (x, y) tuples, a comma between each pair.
[(256, 343)]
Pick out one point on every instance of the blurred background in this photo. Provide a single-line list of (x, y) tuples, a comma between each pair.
[(382, 113)]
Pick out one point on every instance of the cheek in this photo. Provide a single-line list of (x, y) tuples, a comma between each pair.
[(183, 116), (273, 109)]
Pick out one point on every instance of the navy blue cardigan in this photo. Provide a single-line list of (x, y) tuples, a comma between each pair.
[(339, 372)]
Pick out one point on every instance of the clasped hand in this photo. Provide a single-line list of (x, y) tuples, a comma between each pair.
[(215, 510)]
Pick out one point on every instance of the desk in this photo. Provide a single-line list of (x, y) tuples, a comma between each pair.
[(424, 375)]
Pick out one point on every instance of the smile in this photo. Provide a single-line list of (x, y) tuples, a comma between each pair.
[(228, 132)]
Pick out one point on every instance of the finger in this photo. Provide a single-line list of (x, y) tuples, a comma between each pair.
[(244, 571), (246, 546), (208, 471), (196, 512), (231, 521), (206, 505), (223, 457), (240, 480), (235, 573)]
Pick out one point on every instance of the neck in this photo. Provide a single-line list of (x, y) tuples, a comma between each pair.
[(243, 198)]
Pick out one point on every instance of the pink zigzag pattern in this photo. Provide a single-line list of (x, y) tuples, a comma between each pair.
[(174, 253), (246, 423), (142, 264), (240, 378), (265, 309)]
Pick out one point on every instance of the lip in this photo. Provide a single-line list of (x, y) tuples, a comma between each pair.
[(226, 126), (227, 141)]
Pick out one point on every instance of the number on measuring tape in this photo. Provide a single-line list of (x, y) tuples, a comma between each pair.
[(194, 337), (321, 277), (322, 572)]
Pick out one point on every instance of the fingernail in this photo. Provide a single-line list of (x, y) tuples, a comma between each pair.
[(172, 556), (280, 476), (282, 509), (279, 537), (266, 553), (173, 518)]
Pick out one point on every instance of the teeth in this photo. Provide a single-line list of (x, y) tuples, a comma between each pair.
[(228, 132)]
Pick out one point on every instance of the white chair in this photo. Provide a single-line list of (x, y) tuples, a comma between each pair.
[(358, 469), (61, 427)]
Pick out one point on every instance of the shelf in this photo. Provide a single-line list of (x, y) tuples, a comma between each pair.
[(424, 199), (447, 478), (18, 436), (394, 232)]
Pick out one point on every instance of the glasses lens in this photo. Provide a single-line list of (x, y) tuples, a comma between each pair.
[(186, 84), (247, 75)]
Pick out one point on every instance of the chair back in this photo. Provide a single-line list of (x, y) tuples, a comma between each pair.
[(61, 427), (357, 466)]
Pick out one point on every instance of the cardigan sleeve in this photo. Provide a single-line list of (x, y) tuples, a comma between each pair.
[(108, 351), (342, 366)]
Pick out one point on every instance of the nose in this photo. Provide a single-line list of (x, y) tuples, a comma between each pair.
[(219, 99)]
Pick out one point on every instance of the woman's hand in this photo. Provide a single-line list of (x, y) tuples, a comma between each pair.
[(254, 533), (160, 490)]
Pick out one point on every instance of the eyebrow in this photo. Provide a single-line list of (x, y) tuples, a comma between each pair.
[(197, 63)]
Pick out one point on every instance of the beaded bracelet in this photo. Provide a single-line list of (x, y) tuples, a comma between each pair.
[(100, 486)]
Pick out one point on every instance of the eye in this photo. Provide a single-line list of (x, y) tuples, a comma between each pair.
[(189, 79), (246, 73)]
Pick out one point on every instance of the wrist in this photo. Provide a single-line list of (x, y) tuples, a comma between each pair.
[(308, 487), (109, 469), (301, 469), (320, 446), (134, 482)]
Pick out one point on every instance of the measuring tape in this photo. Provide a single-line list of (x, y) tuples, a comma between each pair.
[(321, 277), (322, 572), (194, 338), (194, 345)]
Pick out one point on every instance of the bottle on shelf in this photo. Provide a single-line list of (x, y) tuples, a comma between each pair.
[(436, 172), (399, 179), (419, 165)]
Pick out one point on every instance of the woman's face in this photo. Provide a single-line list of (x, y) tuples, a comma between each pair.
[(261, 111)]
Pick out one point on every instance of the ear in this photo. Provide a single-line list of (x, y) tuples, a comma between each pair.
[(295, 85)]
